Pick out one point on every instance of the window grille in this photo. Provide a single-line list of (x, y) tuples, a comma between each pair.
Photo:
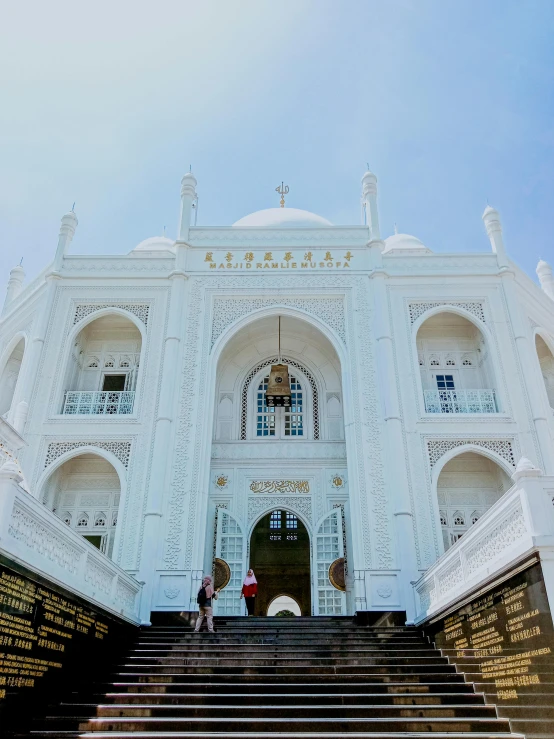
[(459, 520), (244, 399), (291, 521), (82, 521), (275, 520), (269, 421), (100, 519), (444, 520)]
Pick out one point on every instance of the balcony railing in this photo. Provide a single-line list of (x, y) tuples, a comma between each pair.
[(460, 401), (98, 403)]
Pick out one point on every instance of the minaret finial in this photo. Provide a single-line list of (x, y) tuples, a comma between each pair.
[(282, 190), (73, 207), (395, 229)]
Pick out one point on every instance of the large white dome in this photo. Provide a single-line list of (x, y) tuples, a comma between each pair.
[(282, 218), (156, 243), (405, 243)]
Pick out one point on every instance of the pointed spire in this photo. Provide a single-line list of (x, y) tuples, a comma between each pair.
[(369, 199)]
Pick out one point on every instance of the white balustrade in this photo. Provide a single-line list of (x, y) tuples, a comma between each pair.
[(517, 525), (99, 402), (460, 401), (35, 537)]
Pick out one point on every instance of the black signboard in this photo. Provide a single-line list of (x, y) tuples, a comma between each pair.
[(49, 639), (503, 640)]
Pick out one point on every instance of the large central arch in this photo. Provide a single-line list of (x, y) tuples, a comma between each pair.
[(320, 353)]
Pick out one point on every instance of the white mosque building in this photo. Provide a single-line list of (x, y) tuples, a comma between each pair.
[(417, 381)]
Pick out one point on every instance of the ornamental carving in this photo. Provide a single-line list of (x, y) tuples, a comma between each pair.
[(418, 309), (228, 310), (139, 310), (494, 543), (99, 577), (42, 539), (125, 596), (502, 447), (292, 487), (120, 449)]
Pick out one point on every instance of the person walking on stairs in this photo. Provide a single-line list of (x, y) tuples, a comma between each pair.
[(204, 600), (249, 591)]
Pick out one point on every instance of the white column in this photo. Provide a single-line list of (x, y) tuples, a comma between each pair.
[(31, 358), (396, 472), (369, 196), (160, 472), (546, 279), (15, 285), (525, 349)]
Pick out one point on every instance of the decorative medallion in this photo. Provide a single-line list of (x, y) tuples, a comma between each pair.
[(171, 593), (336, 574), (279, 487), (221, 481), (222, 573), (338, 480), (385, 591)]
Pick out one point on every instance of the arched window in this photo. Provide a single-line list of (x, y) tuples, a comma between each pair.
[(301, 420), (280, 423)]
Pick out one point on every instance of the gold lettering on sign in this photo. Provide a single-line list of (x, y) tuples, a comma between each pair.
[(280, 486), (289, 261)]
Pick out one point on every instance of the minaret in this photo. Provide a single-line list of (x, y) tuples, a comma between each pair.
[(491, 219), (67, 232), (15, 284), (188, 196), (369, 198), (544, 273)]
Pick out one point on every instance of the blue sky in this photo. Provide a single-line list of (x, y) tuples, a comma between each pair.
[(450, 102)]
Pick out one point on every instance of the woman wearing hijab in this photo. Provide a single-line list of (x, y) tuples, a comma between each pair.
[(204, 600), (249, 591)]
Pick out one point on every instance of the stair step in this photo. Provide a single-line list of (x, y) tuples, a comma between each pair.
[(299, 709), (365, 698), (343, 725), (292, 678), (282, 735)]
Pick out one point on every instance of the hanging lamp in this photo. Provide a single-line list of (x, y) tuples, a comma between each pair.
[(278, 387)]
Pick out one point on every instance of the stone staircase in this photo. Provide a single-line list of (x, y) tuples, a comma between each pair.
[(261, 677)]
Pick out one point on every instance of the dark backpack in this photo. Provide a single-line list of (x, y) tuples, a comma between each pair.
[(201, 598)]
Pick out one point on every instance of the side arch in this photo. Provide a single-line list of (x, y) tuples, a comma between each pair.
[(78, 452), (469, 447)]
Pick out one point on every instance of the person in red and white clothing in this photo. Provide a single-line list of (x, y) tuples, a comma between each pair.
[(249, 591)]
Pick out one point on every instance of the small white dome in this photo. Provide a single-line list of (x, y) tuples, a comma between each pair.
[(282, 218), (156, 243), (404, 243)]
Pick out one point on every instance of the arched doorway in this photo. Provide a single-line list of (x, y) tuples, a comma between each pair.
[(280, 558), (284, 604)]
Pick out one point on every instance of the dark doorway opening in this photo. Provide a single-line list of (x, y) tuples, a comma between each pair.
[(280, 558)]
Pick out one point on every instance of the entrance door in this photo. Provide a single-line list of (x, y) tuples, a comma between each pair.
[(280, 558)]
